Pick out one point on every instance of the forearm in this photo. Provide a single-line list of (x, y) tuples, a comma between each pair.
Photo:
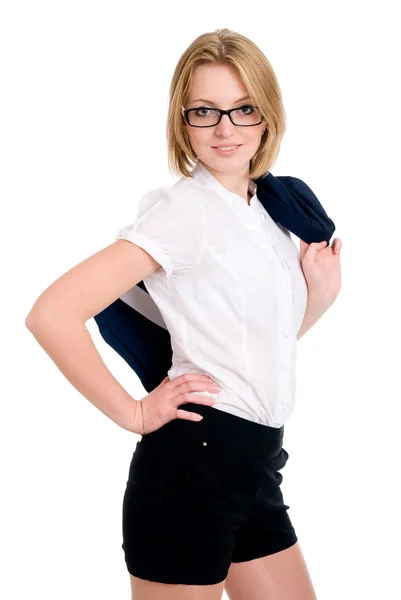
[(317, 305), (70, 346)]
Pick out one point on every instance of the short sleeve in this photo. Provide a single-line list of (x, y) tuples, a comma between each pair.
[(170, 226)]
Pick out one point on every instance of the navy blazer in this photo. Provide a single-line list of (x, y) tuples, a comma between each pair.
[(135, 328)]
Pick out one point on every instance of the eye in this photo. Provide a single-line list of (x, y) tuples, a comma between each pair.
[(247, 107), (204, 108)]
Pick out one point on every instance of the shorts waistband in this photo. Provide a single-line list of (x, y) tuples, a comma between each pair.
[(224, 429)]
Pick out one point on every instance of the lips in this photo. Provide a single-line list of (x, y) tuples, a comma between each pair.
[(227, 146)]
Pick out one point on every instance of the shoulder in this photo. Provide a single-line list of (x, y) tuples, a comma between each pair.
[(180, 198)]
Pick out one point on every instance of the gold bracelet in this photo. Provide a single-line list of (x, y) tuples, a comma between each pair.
[(143, 428)]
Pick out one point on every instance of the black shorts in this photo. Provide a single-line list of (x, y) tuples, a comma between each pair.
[(201, 495)]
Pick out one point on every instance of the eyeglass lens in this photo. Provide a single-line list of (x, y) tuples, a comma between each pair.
[(203, 116)]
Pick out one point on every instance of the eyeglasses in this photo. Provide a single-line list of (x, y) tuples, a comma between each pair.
[(203, 116)]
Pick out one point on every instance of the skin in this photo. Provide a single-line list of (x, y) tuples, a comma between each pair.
[(321, 267), (223, 85), (283, 575), (322, 271)]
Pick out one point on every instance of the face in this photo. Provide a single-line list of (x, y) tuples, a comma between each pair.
[(220, 86)]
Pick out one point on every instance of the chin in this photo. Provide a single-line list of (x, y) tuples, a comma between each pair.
[(225, 164)]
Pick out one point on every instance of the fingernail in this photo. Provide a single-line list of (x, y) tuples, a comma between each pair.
[(199, 418)]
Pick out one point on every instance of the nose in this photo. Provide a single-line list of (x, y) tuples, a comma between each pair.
[(225, 128)]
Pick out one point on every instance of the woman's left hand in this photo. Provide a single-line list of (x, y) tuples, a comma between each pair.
[(321, 267)]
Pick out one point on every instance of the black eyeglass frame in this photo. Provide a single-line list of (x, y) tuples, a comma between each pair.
[(222, 112)]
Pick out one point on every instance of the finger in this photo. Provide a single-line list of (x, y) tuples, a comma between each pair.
[(314, 247), (188, 416), (318, 245), (196, 398), (302, 248), (198, 386), (193, 397), (186, 377)]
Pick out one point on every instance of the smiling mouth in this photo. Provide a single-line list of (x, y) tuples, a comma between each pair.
[(226, 147)]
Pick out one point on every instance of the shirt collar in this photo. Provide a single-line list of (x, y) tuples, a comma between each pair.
[(204, 178)]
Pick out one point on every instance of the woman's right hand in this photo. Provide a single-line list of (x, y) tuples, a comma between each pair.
[(160, 405)]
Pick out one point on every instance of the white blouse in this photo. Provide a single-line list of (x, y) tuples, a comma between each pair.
[(230, 290)]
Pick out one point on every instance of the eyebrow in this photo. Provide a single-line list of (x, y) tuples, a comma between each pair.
[(214, 104)]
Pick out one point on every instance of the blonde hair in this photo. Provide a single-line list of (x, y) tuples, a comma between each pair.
[(226, 47)]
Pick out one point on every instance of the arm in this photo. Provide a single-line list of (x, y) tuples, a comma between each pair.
[(321, 268), (315, 308), (57, 321)]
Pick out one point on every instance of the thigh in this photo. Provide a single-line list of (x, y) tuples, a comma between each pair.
[(279, 576), (142, 589)]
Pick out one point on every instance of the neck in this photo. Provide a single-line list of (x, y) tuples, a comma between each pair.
[(237, 183)]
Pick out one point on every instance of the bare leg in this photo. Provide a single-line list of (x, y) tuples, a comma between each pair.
[(143, 589), (280, 576)]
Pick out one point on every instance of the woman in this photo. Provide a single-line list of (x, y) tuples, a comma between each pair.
[(203, 509)]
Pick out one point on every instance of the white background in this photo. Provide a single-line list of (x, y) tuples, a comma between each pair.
[(83, 98)]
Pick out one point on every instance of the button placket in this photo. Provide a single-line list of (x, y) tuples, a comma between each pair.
[(252, 223), (255, 221), (286, 309)]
